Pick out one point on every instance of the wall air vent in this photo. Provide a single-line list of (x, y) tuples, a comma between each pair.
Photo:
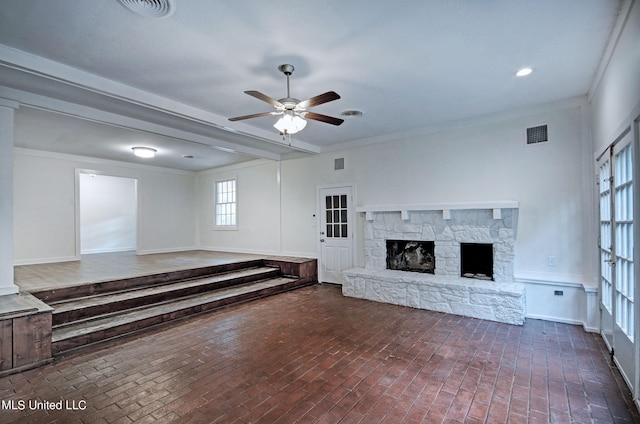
[(537, 134), (150, 8), (338, 164)]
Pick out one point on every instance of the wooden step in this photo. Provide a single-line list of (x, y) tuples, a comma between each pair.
[(81, 333), (168, 277), (80, 308)]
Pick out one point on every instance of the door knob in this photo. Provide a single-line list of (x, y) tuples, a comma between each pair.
[(321, 240)]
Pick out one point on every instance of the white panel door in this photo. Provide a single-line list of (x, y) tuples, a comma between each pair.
[(335, 233)]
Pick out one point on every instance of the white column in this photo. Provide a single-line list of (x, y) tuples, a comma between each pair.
[(7, 285)]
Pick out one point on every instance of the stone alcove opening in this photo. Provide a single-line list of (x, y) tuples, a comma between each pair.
[(476, 260)]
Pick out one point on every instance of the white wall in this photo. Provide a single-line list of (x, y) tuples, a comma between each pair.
[(484, 162), (45, 205), (480, 163), (615, 109), (108, 211), (618, 91), (258, 209)]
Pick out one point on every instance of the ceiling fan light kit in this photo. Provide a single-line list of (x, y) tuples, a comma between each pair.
[(290, 123), (294, 112)]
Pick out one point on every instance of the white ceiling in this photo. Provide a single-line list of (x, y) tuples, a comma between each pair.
[(407, 65)]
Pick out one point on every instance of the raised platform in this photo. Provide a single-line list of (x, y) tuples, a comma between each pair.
[(66, 306), (502, 302)]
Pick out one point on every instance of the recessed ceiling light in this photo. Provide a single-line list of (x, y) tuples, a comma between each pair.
[(524, 72), (144, 152)]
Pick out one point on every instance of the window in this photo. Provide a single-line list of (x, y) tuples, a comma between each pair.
[(226, 204)]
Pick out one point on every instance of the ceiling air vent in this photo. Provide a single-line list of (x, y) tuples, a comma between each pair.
[(150, 8), (537, 134)]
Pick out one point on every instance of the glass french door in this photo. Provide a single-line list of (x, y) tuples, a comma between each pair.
[(617, 282)]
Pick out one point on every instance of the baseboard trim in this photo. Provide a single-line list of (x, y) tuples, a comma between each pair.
[(111, 250), (172, 250), (260, 252), (555, 319), (45, 260)]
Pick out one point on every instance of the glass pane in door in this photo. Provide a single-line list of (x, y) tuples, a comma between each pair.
[(606, 282), (624, 283), (336, 216), (607, 274)]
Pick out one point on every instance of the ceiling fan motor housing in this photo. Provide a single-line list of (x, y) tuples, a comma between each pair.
[(289, 103), (286, 69)]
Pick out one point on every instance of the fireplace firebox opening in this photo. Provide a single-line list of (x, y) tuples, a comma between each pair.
[(476, 260), (411, 255)]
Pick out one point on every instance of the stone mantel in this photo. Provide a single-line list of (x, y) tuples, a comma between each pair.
[(446, 208)]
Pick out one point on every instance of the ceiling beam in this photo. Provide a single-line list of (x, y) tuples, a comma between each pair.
[(95, 115), (49, 70)]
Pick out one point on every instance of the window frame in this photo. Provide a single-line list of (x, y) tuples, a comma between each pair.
[(216, 183)]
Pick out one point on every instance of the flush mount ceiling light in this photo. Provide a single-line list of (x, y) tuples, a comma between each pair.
[(150, 8), (524, 72), (144, 152)]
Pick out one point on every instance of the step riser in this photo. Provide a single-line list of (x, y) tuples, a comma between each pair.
[(146, 280), (137, 326), (63, 317)]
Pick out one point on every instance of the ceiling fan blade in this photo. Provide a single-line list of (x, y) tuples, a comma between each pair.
[(322, 118), (255, 115), (258, 95), (329, 96)]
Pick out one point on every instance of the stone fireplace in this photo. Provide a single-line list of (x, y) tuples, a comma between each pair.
[(472, 269)]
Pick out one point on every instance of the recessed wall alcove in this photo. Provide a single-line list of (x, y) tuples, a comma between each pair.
[(476, 260)]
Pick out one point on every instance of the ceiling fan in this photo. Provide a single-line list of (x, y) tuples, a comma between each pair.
[(294, 112)]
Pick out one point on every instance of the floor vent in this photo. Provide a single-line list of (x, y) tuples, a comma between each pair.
[(537, 134)]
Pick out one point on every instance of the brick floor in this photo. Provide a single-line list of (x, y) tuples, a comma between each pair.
[(313, 356)]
